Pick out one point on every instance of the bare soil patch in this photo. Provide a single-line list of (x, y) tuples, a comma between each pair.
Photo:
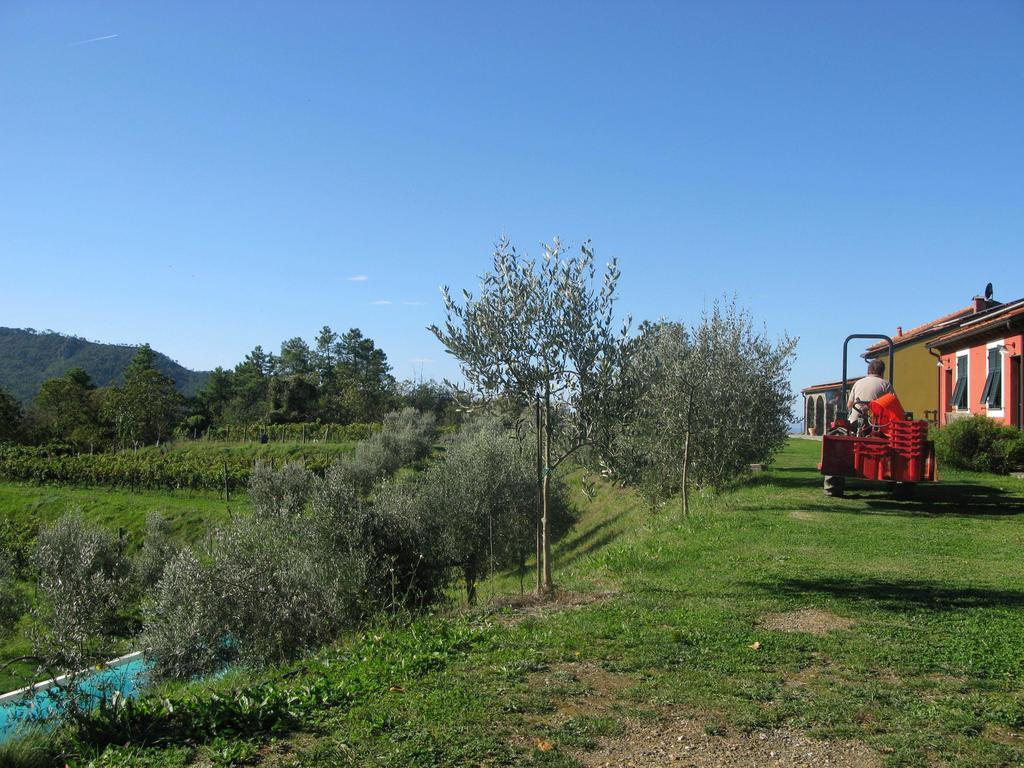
[(684, 742), (514, 608), (814, 621), (580, 688)]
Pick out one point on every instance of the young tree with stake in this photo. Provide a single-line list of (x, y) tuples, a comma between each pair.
[(541, 329)]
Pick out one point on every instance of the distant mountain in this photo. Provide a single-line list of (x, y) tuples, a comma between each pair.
[(29, 357)]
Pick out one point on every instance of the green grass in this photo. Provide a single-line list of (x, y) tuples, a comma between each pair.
[(930, 673), (191, 513)]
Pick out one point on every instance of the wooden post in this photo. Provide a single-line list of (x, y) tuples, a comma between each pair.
[(540, 496), (546, 487), (686, 457), (227, 491)]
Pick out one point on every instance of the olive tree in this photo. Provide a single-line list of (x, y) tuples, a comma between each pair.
[(543, 330), (481, 495), (81, 613), (651, 448), (719, 400), (158, 549), (314, 557), (743, 400)]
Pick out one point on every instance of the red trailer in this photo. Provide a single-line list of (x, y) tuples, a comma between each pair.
[(885, 446)]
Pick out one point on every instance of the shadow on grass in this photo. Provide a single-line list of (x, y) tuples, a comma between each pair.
[(945, 499), (898, 595), (601, 535), (807, 481)]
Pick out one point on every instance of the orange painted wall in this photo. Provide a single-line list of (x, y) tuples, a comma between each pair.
[(976, 380)]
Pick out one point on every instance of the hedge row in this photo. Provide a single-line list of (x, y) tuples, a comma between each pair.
[(309, 432), (173, 470)]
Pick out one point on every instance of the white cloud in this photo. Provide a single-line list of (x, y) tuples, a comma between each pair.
[(357, 279), (382, 302), (419, 360), (93, 40)]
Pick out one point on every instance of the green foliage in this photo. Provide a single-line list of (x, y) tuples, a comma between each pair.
[(12, 603), (11, 416), (159, 547), (194, 468), (314, 557), (979, 444), (345, 379), (311, 431), (145, 409), (34, 748), (28, 358), (480, 501), (930, 672), (404, 437), (364, 670), (719, 394), (82, 584), (67, 409), (17, 540), (545, 328)]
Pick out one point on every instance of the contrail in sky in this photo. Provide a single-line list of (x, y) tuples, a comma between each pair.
[(93, 40)]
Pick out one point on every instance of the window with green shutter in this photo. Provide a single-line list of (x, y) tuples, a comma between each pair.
[(992, 394), (959, 399)]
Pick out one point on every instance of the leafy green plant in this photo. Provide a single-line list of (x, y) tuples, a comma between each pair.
[(979, 444)]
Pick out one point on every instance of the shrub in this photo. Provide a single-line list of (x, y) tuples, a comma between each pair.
[(17, 541), (480, 501), (11, 602), (405, 436), (979, 444), (313, 558), (158, 549), (81, 613)]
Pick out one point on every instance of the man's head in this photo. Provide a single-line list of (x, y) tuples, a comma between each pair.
[(876, 368)]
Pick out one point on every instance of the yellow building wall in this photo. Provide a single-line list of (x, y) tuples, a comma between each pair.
[(917, 383)]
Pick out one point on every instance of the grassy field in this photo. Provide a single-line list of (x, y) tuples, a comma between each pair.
[(191, 515), (774, 627)]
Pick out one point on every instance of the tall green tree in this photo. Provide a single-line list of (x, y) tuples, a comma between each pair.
[(363, 384), (11, 416), (67, 409), (295, 358), (216, 395), (545, 330), (325, 356), (145, 409)]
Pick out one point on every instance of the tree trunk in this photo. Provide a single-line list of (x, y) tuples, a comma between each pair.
[(546, 488), (470, 575)]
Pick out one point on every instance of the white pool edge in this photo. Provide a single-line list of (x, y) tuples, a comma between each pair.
[(12, 696)]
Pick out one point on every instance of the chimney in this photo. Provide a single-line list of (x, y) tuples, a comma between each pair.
[(980, 304), (899, 331)]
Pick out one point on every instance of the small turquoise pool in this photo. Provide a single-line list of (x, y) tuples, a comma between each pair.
[(124, 675)]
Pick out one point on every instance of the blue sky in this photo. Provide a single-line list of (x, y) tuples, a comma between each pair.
[(208, 176)]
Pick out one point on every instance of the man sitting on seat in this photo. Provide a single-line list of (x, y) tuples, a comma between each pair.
[(871, 387)]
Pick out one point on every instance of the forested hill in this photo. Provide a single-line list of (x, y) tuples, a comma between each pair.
[(28, 358)]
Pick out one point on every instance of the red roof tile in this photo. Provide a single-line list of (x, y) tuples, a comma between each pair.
[(920, 330), (966, 329), (829, 385)]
